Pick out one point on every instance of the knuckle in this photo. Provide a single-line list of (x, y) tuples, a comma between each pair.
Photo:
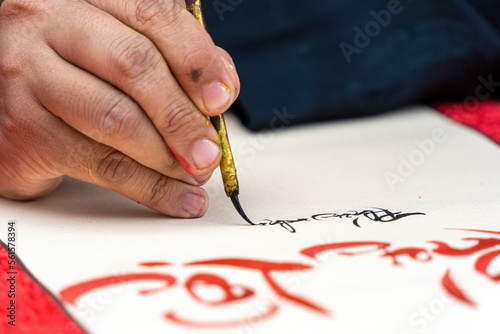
[(16, 125), (135, 57), (179, 118), (161, 192), (12, 63), (20, 9), (116, 167), (119, 122), (198, 55), (9, 67), (156, 12)]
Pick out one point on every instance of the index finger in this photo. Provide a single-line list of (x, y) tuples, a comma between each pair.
[(204, 73)]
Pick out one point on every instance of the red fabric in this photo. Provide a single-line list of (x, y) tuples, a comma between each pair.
[(483, 116), (38, 313)]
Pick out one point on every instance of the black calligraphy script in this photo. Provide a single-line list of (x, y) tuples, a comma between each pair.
[(374, 214)]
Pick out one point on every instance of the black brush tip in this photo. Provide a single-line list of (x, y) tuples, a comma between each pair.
[(237, 205)]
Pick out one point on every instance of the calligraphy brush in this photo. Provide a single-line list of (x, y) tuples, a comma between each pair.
[(227, 166)]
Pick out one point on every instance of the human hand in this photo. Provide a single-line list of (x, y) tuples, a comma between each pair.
[(113, 92)]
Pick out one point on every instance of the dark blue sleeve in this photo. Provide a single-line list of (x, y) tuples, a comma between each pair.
[(327, 59)]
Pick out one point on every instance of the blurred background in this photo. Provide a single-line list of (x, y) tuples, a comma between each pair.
[(332, 59)]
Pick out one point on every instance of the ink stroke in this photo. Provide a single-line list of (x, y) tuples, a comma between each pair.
[(374, 214)]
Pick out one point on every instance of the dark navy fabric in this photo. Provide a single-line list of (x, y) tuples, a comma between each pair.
[(327, 59)]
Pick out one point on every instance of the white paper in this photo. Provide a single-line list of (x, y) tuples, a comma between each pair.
[(412, 161)]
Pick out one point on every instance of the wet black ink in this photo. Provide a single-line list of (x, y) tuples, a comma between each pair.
[(378, 215), (286, 224)]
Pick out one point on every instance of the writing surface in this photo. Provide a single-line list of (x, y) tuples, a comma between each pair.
[(389, 219)]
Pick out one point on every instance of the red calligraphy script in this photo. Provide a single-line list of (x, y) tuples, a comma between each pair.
[(485, 248)]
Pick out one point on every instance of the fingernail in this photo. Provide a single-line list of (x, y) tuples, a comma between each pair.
[(193, 204), (228, 64), (216, 96), (202, 178), (204, 153)]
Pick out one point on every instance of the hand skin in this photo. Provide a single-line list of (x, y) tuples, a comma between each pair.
[(112, 92)]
